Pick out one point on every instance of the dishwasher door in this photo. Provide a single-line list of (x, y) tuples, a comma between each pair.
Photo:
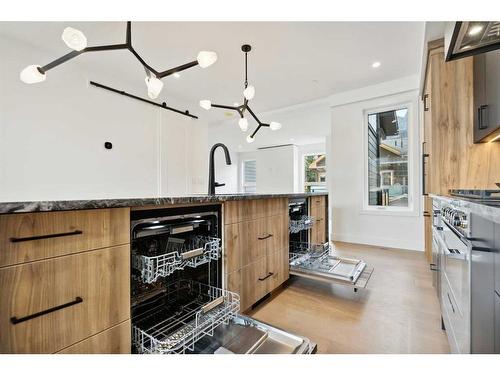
[(318, 262), (244, 335)]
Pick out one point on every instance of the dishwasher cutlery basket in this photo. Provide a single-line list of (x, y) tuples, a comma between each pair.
[(193, 252), (183, 314)]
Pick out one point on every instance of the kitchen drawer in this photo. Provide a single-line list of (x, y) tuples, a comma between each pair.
[(278, 265), (48, 305), (114, 340), (247, 241), (253, 283), (238, 211), (36, 236), (319, 201)]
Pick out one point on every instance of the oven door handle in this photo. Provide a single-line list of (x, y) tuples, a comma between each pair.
[(483, 249)]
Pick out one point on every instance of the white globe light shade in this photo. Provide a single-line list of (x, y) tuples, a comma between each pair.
[(249, 92), (154, 86), (275, 125), (31, 74), (243, 123), (250, 139), (74, 39), (206, 58), (205, 104)]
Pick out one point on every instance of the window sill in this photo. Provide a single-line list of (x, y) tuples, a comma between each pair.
[(390, 212)]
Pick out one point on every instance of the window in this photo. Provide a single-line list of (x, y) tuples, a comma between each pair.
[(387, 164), (315, 173), (249, 177)]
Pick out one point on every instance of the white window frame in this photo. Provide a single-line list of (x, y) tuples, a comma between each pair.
[(303, 170), (411, 209), (244, 184)]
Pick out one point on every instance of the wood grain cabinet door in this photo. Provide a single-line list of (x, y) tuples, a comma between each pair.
[(253, 283), (318, 211), (48, 305), (278, 266), (114, 340), (36, 236)]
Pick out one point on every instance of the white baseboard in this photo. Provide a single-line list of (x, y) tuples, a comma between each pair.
[(377, 241)]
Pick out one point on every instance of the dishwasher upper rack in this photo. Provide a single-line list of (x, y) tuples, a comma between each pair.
[(192, 320), (304, 223), (199, 250)]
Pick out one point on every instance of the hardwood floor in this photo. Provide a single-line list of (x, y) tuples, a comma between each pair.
[(397, 313)]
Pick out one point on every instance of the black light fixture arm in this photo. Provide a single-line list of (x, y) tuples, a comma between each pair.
[(127, 45), (162, 105)]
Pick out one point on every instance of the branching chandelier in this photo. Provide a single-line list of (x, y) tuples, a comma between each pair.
[(77, 41), (248, 94)]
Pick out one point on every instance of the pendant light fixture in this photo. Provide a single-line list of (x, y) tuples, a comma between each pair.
[(77, 41), (248, 94)]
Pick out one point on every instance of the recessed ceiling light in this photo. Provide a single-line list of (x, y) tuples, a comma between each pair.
[(376, 64), (292, 139), (236, 104), (176, 75), (475, 30)]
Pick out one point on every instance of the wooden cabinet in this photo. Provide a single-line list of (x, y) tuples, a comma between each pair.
[(35, 236), (255, 247), (48, 305), (114, 340), (450, 159), (318, 209), (65, 282)]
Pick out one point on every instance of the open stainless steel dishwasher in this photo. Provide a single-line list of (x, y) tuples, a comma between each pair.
[(319, 261), (178, 302)]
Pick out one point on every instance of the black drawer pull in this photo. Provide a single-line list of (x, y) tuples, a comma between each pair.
[(265, 237), (268, 275), (433, 267), (15, 320), (45, 236)]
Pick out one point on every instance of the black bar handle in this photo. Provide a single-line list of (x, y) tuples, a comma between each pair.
[(45, 236), (433, 267), (15, 320), (268, 275), (424, 155), (482, 124), (265, 237)]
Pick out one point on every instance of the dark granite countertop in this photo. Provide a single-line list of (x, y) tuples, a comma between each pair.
[(40, 206)]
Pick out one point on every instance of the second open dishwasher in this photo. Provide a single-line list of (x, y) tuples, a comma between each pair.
[(178, 302), (319, 262)]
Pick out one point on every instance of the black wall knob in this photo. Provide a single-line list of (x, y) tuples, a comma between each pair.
[(108, 145)]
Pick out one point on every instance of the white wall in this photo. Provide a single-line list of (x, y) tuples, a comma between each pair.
[(52, 136), (346, 171), (305, 125)]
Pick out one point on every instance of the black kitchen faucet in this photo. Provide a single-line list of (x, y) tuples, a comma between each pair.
[(211, 171)]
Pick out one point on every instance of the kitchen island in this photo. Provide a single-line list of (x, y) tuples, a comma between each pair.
[(65, 266)]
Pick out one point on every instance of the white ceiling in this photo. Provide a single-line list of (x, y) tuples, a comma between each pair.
[(290, 62)]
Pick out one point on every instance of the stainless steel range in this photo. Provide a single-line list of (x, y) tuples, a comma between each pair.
[(463, 252)]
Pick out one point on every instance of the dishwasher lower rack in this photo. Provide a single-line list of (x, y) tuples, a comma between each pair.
[(304, 223), (172, 323), (317, 261), (194, 252)]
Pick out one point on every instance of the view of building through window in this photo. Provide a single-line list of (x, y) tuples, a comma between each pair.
[(388, 158), (315, 173)]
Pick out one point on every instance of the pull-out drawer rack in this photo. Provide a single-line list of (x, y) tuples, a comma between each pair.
[(318, 262), (178, 254), (187, 311), (304, 223)]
